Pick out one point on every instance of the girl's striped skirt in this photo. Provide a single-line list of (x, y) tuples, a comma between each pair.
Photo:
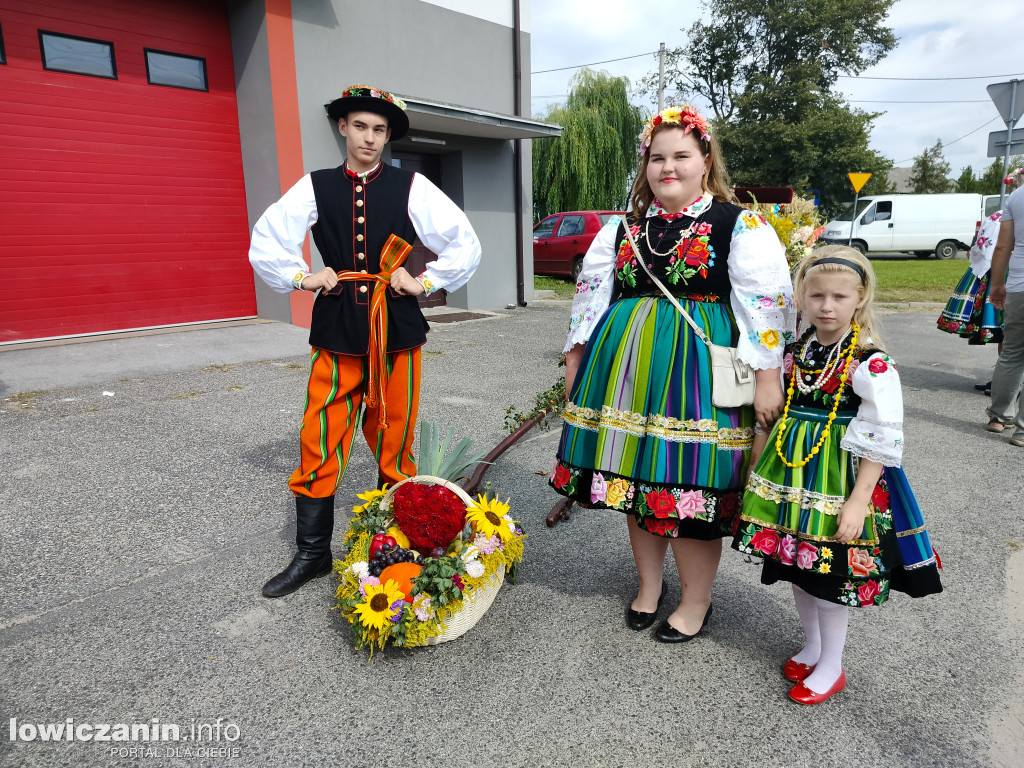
[(790, 516), (968, 313), (641, 435)]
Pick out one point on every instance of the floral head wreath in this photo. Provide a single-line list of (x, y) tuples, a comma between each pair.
[(1009, 180), (687, 117)]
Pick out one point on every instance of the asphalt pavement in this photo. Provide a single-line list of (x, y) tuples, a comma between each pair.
[(145, 503)]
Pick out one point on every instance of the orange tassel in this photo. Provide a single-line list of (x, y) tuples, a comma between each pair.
[(393, 254)]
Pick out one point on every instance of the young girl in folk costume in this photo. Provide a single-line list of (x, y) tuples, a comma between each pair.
[(642, 435), (827, 505)]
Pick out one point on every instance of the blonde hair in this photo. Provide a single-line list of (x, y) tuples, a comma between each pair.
[(863, 316), (716, 181)]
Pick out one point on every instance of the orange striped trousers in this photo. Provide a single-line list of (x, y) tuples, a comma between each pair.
[(334, 399)]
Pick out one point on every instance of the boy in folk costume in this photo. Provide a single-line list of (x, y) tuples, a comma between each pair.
[(367, 328)]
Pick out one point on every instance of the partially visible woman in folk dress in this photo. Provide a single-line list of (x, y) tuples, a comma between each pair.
[(641, 434)]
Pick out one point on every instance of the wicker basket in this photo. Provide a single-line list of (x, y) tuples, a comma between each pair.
[(475, 603)]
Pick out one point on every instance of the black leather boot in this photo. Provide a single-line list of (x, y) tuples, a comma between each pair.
[(314, 524)]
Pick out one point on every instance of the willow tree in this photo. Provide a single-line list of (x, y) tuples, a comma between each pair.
[(589, 167)]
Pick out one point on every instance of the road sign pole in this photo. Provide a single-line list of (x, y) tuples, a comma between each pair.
[(853, 218), (858, 180), (1009, 142)]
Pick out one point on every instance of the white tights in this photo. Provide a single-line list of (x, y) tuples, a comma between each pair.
[(825, 632)]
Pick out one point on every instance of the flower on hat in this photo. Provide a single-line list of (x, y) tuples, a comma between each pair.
[(685, 116)]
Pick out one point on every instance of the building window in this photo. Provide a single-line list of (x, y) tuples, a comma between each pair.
[(79, 55), (176, 70)]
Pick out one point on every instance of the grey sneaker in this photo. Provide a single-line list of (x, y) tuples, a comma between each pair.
[(1017, 440)]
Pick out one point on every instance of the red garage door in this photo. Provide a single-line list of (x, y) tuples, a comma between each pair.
[(121, 194)]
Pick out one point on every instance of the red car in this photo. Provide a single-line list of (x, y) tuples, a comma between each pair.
[(561, 240)]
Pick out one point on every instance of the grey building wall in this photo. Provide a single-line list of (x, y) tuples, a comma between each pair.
[(256, 131), (408, 47)]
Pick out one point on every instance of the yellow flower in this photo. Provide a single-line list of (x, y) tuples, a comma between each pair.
[(368, 497), (826, 553), (770, 339), (375, 611), (616, 492), (487, 517), (672, 115), (824, 568)]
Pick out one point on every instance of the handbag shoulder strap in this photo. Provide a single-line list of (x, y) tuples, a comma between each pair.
[(686, 315)]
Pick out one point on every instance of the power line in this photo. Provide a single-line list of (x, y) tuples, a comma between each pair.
[(971, 77), (946, 101), (848, 77), (593, 64), (954, 141)]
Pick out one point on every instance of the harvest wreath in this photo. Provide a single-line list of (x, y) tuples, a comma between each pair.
[(424, 562)]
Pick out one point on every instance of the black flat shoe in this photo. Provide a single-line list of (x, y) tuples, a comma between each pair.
[(639, 620), (666, 633), (986, 388)]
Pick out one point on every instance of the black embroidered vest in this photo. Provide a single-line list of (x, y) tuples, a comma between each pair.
[(701, 271), (355, 217)]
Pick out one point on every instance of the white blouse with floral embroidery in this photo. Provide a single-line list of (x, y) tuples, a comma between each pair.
[(876, 432), (761, 297)]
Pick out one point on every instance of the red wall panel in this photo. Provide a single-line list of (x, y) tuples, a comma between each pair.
[(122, 203)]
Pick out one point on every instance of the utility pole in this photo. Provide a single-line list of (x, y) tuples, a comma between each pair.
[(661, 79)]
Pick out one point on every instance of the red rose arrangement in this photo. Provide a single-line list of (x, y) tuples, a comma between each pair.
[(430, 515)]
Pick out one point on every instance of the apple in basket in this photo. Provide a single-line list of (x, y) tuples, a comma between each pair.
[(430, 515)]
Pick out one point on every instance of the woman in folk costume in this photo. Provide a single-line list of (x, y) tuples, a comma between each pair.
[(968, 313), (827, 505), (641, 433)]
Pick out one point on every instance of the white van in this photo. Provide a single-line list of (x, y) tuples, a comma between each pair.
[(918, 224)]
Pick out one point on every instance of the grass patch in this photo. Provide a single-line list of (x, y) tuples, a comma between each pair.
[(563, 287), (24, 399), (185, 396), (917, 279), (234, 387), (899, 280), (222, 368)]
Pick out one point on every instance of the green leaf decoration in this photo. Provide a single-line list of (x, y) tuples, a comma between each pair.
[(436, 459)]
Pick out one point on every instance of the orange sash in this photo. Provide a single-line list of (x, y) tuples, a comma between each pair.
[(391, 256)]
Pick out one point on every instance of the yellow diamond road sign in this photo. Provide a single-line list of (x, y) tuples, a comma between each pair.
[(858, 180)]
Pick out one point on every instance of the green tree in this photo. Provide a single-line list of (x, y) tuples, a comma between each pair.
[(754, 46), (930, 172), (589, 166), (812, 149), (967, 183), (768, 69)]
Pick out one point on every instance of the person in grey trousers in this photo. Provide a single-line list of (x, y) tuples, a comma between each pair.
[(1007, 293)]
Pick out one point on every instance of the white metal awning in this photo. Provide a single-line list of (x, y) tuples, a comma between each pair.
[(435, 117)]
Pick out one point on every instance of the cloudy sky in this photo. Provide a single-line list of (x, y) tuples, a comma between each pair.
[(980, 39)]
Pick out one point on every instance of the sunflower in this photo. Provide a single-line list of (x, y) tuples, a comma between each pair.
[(489, 517), (369, 497), (375, 612)]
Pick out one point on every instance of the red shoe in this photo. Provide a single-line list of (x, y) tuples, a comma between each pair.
[(801, 694), (796, 671)]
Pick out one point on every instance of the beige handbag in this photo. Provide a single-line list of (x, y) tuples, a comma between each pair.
[(732, 380)]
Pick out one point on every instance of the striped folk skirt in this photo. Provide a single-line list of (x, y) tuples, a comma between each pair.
[(968, 313), (790, 516), (641, 435)]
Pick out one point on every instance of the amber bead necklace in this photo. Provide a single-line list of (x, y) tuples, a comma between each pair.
[(792, 388)]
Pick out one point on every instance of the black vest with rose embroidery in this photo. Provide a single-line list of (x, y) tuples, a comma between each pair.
[(695, 267), (355, 217)]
